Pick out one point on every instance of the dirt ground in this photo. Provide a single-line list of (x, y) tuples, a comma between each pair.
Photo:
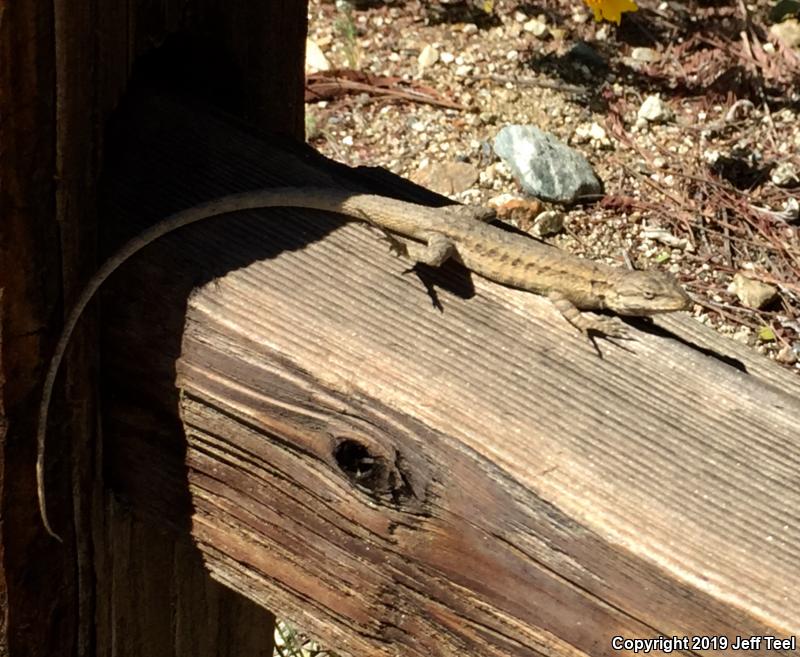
[(708, 189)]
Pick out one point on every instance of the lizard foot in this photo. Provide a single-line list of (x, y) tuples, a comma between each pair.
[(606, 326), (396, 247), (586, 323)]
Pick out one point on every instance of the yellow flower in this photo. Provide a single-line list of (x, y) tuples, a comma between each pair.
[(611, 10)]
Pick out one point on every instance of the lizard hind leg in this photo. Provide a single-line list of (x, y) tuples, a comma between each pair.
[(586, 323), (434, 252)]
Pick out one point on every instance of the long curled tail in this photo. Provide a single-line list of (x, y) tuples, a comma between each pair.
[(335, 200)]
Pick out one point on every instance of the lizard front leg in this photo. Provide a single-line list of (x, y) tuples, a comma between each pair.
[(586, 323)]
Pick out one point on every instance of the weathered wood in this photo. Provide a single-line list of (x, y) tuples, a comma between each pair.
[(403, 480), (36, 613), (66, 66), (164, 604)]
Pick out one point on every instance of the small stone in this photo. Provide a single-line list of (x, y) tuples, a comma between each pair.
[(654, 110), (591, 132), (536, 26), (549, 222), (597, 132), (579, 16), (446, 177), (427, 57), (785, 174), (447, 58), (488, 176), (752, 293), (788, 31), (665, 237), (788, 355), (527, 215), (742, 334), (645, 55), (315, 58), (513, 30)]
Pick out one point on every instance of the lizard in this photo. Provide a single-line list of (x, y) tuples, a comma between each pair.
[(572, 283)]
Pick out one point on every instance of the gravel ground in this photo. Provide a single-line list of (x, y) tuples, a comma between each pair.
[(708, 190)]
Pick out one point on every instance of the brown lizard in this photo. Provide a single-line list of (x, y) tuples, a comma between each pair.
[(572, 283)]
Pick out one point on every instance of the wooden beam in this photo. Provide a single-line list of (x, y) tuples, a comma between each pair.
[(403, 480)]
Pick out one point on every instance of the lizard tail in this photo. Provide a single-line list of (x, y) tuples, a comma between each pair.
[(319, 198)]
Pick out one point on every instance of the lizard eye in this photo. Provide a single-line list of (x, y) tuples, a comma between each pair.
[(647, 294)]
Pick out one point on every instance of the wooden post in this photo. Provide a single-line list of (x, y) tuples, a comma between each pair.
[(66, 66)]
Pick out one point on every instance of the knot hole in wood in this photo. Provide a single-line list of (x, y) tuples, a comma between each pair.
[(370, 464)]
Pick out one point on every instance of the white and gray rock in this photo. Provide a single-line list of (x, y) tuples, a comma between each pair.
[(785, 174), (546, 167), (654, 110)]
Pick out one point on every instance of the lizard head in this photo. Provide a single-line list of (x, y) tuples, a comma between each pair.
[(646, 293)]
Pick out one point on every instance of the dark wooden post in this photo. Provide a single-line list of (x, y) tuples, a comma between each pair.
[(65, 68)]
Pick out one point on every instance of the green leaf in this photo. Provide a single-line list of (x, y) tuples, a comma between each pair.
[(662, 257), (784, 8), (766, 334)]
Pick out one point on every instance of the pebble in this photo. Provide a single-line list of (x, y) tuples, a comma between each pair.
[(654, 110), (788, 31), (315, 58), (785, 174), (752, 293), (645, 55), (446, 177), (536, 26), (427, 57)]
